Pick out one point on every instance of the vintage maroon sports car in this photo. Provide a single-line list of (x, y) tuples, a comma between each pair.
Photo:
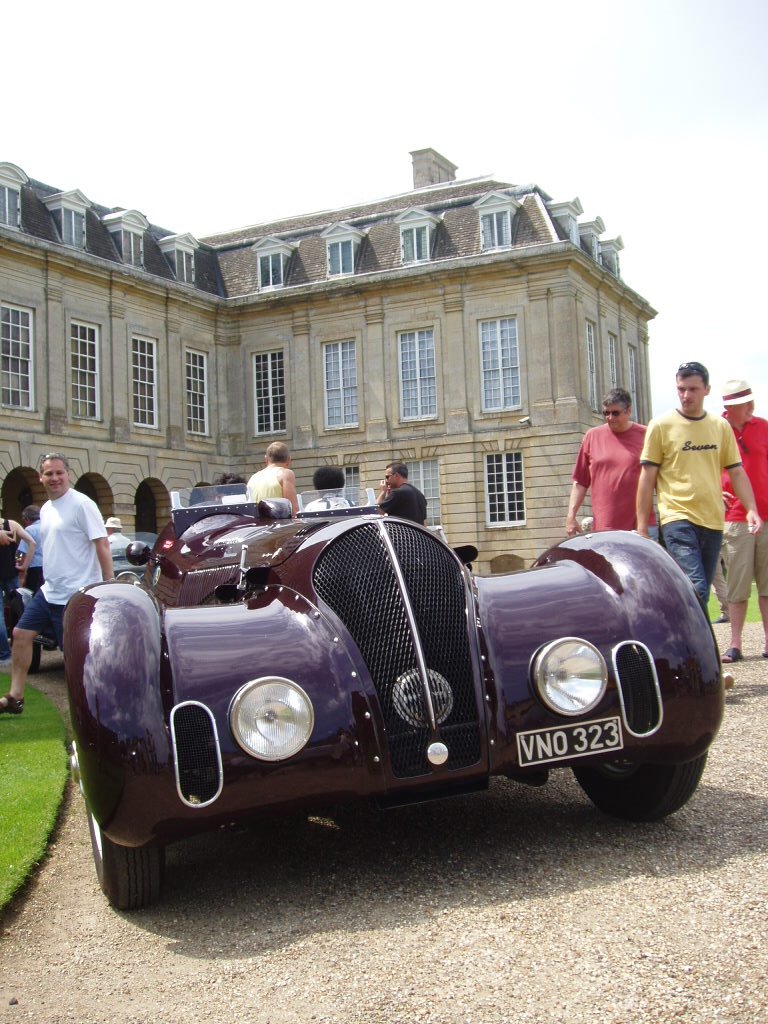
[(265, 663)]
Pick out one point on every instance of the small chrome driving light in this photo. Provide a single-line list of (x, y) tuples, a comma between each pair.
[(271, 718), (570, 676)]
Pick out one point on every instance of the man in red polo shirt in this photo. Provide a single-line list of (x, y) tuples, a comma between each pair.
[(746, 552), (609, 464)]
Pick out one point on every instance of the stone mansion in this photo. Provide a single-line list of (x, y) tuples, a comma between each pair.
[(467, 327)]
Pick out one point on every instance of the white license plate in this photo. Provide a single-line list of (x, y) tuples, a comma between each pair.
[(563, 742)]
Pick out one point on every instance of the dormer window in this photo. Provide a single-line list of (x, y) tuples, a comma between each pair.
[(180, 250), (273, 256), (496, 212), (567, 215), (416, 228), (11, 180), (342, 242), (609, 254), (589, 235), (69, 209), (127, 229)]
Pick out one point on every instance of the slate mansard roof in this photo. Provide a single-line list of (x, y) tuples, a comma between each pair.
[(227, 264)]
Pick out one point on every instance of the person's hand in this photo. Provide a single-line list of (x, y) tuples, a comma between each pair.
[(6, 538), (572, 527), (755, 523)]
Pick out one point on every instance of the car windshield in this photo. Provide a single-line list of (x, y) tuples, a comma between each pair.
[(341, 497), (219, 494)]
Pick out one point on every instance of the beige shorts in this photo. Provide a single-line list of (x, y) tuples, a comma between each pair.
[(747, 560)]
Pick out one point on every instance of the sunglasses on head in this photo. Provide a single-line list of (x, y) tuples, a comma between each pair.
[(688, 369)]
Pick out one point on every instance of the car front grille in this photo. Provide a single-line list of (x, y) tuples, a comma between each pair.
[(638, 688), (358, 576), (197, 756)]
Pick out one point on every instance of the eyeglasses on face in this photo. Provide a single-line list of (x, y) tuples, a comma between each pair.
[(613, 412)]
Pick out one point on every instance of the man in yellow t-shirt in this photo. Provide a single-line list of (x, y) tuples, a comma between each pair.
[(684, 454)]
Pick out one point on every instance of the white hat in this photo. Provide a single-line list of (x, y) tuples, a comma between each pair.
[(113, 523), (737, 392)]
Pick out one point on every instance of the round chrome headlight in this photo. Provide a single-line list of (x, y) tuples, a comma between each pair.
[(271, 718), (570, 675)]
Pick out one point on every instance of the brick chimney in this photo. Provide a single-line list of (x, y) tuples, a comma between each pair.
[(430, 168)]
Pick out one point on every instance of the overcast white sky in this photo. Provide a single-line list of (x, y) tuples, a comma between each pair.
[(213, 116)]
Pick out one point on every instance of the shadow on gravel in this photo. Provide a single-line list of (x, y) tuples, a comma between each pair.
[(237, 894)]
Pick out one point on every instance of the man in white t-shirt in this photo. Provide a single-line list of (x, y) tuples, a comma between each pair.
[(76, 553)]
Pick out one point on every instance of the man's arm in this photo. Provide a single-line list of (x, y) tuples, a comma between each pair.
[(104, 555), (646, 485), (745, 494), (29, 540), (288, 485), (577, 497)]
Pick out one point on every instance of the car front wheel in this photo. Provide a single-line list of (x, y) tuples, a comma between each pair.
[(130, 877), (640, 792)]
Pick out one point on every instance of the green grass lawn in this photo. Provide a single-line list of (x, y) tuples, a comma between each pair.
[(753, 612), (33, 771)]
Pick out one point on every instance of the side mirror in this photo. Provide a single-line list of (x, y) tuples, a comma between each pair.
[(466, 553), (137, 552)]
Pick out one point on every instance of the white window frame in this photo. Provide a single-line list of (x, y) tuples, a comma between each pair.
[(613, 360), (340, 384), (184, 266), (416, 230), (496, 230), (590, 332), (196, 390), (274, 265), (341, 258), (505, 489), (11, 180), (144, 381), (342, 242), (269, 408), (500, 364), (496, 210), (414, 243), (567, 215), (16, 357), (10, 206), (180, 251), (84, 373), (133, 248), (73, 227), (272, 258), (425, 475), (418, 374), (632, 377), (352, 484), (71, 207)]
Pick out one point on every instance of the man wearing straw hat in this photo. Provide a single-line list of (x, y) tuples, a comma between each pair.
[(746, 551)]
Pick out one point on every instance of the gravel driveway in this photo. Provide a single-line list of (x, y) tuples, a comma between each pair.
[(520, 905)]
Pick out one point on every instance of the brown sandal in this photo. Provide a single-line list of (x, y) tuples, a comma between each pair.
[(11, 705)]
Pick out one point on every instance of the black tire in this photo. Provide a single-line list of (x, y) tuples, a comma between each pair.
[(640, 792), (130, 877)]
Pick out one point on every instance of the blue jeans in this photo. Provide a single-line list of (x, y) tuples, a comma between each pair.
[(697, 551)]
